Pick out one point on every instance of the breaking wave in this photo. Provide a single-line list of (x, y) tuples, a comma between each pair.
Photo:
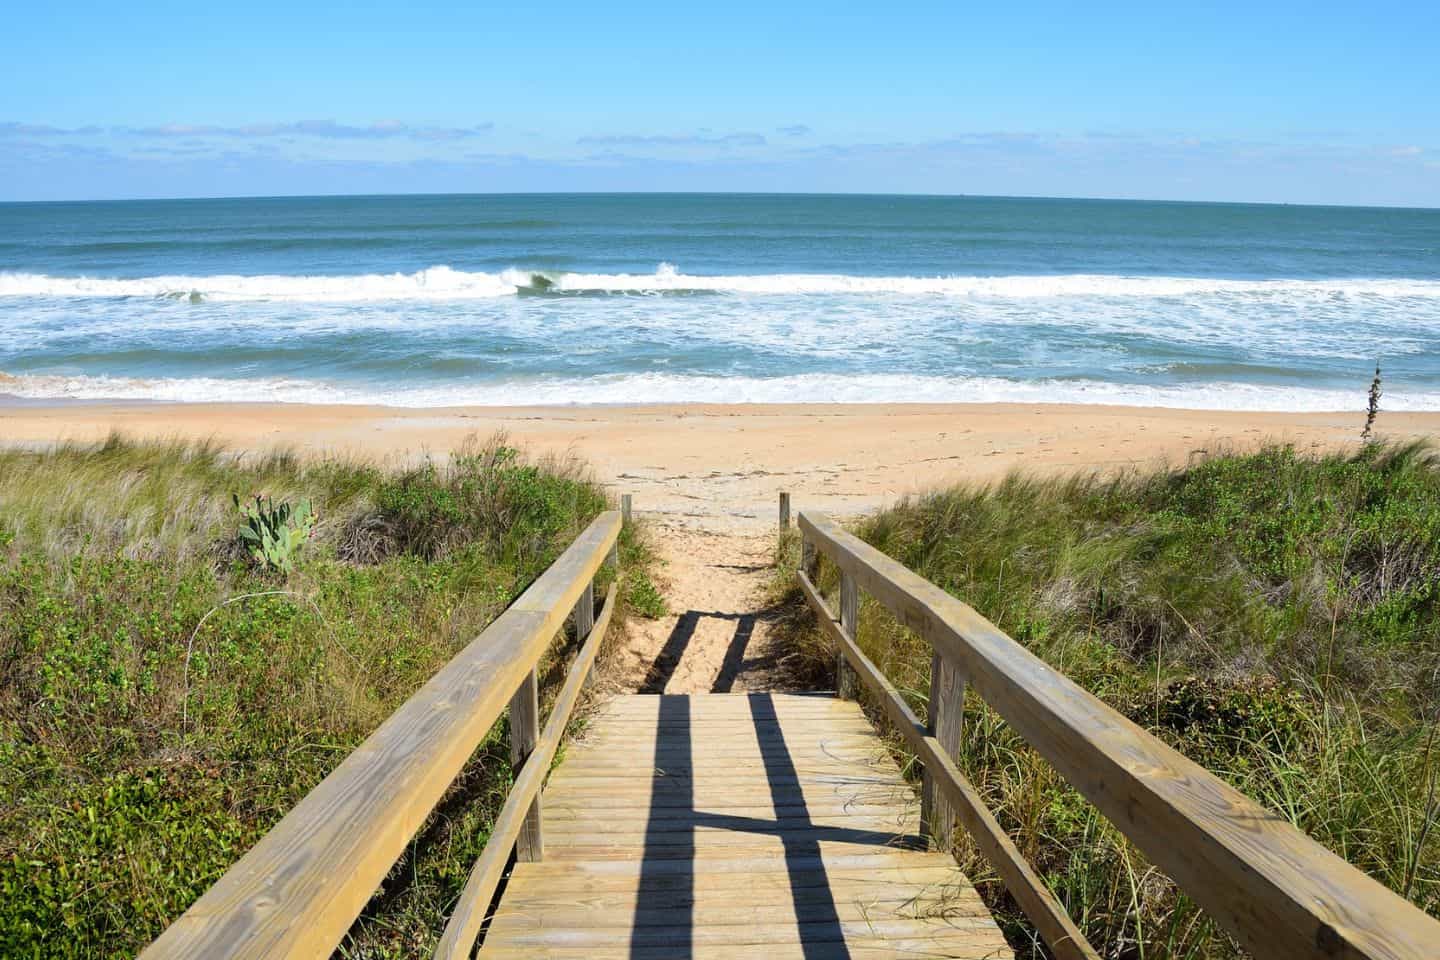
[(658, 388), (446, 283)]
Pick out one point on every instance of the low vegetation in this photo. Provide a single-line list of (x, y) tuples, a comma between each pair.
[(180, 662), (1273, 616)]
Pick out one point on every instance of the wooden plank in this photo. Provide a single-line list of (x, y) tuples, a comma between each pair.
[(818, 813), (719, 787), (1028, 889), (741, 787), (731, 705), (944, 721), (715, 905), (738, 908), (298, 890), (850, 618), (584, 612), (524, 732), (740, 724), (727, 849), (715, 744), (667, 803), (699, 829), (468, 916), (902, 928), (1276, 890), (877, 858), (851, 950), (920, 874), (708, 746), (726, 767)]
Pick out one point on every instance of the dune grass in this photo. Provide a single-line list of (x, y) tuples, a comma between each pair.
[(1275, 617), (164, 700)]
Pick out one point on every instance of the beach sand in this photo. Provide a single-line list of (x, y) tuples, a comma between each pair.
[(721, 467)]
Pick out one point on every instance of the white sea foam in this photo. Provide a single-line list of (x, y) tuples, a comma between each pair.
[(445, 283), (435, 283), (654, 388)]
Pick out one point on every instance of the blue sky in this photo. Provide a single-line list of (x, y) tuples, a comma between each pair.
[(1306, 103)]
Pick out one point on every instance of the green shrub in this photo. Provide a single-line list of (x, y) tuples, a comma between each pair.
[(485, 496), (163, 704), (643, 597)]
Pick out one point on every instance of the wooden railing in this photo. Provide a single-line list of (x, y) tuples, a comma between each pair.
[(1281, 894), (297, 891)]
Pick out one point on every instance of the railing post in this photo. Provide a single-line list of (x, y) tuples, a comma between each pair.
[(784, 511), (945, 722), (585, 612), (625, 508), (524, 734), (849, 619)]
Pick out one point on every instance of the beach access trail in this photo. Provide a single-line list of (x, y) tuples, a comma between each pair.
[(716, 636)]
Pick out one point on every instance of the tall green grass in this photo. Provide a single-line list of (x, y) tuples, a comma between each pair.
[(163, 702), (1273, 616)]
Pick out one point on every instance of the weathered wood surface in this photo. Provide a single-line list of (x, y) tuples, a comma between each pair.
[(735, 825), (849, 619), (1045, 912), (524, 733), (297, 891), (458, 940), (1280, 893), (944, 720)]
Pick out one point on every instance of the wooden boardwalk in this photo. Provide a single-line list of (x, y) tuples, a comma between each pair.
[(730, 826), (773, 826)]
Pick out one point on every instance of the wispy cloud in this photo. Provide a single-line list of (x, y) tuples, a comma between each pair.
[(11, 128), (683, 140), (38, 159), (320, 129)]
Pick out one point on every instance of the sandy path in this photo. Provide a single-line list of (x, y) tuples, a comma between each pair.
[(717, 637)]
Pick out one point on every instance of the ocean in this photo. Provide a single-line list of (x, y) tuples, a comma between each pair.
[(602, 299)]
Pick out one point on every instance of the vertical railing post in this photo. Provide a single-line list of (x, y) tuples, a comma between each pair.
[(784, 511), (944, 722), (585, 622), (849, 620), (524, 733), (585, 612), (625, 507)]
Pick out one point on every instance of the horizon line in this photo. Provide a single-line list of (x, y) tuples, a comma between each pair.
[(722, 193)]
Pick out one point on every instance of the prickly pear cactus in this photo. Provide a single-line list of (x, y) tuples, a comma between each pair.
[(272, 533)]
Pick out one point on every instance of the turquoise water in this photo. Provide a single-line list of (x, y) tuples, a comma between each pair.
[(650, 298)]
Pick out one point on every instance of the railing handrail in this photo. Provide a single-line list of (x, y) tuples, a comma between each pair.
[(522, 805), (300, 888), (1280, 893)]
